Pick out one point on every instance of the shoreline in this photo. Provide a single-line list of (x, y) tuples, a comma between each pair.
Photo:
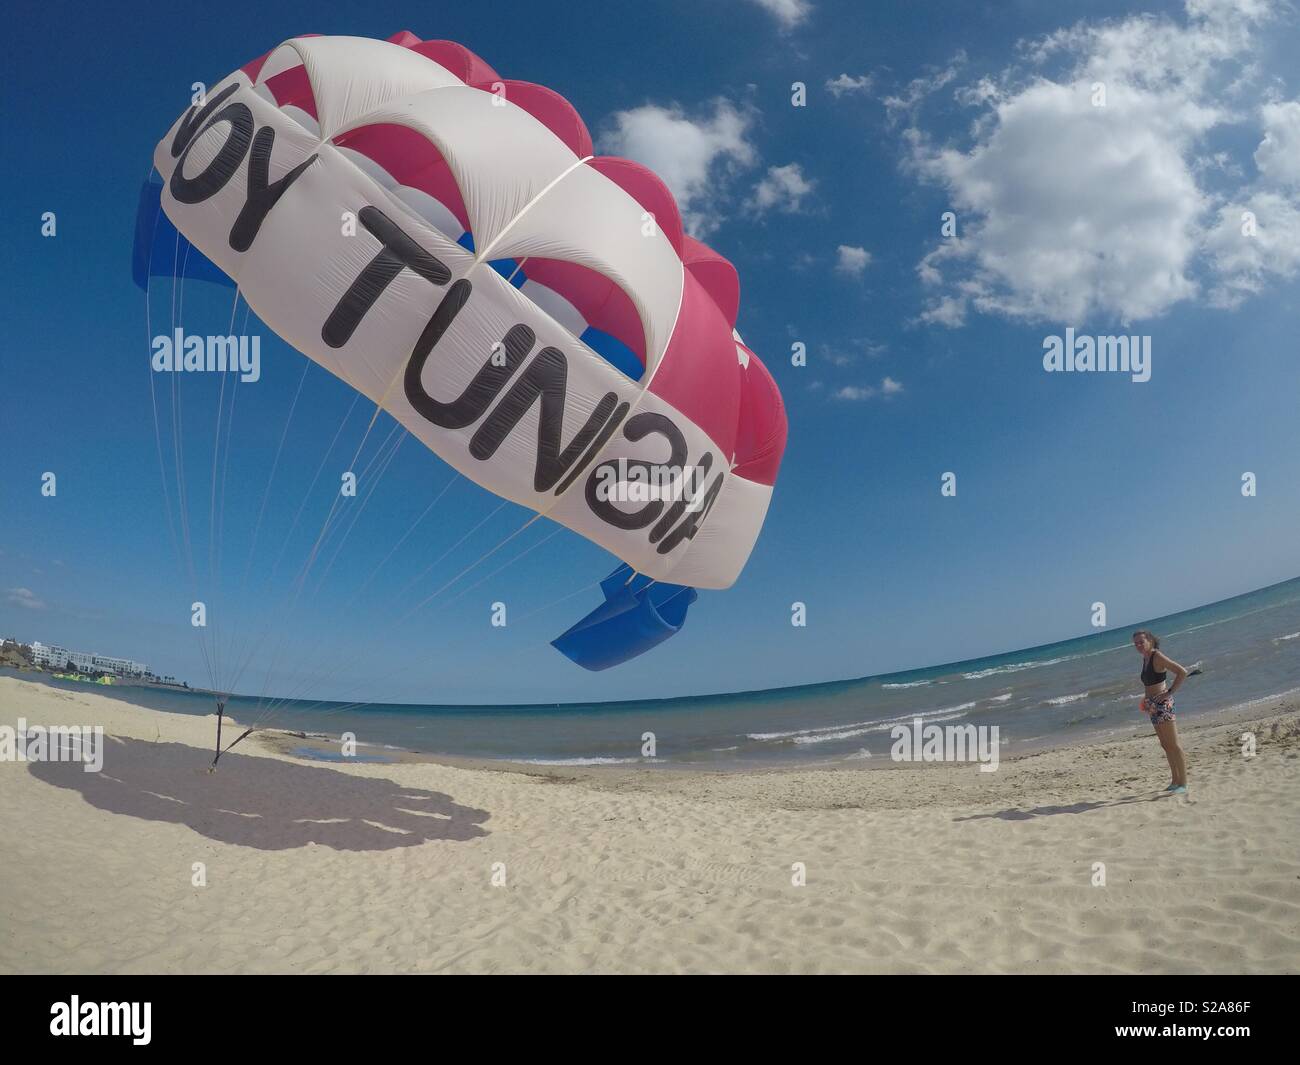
[(404, 743), (484, 867), (284, 741)]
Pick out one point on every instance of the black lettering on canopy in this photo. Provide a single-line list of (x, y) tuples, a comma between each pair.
[(263, 193), (638, 427), (224, 164), (693, 481), (398, 251), (469, 406), (687, 529), (602, 438), (195, 117), (545, 379)]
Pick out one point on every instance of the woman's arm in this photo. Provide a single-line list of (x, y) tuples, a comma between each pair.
[(1164, 662)]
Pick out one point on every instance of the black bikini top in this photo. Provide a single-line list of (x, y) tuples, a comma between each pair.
[(1149, 674)]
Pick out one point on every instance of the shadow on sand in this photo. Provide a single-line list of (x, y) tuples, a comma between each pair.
[(265, 803), (1052, 811)]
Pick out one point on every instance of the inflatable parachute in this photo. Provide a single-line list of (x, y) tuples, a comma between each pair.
[(446, 242)]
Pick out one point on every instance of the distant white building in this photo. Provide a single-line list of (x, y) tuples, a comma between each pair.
[(54, 657), (50, 657)]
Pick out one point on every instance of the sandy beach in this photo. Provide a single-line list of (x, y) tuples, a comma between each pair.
[(419, 867)]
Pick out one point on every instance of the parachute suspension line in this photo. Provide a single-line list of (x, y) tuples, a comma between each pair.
[(153, 396), (221, 503), (301, 581), (506, 565), (356, 516), (339, 660), (275, 464), (157, 430), (212, 501), (275, 568), (335, 519), (266, 492), (225, 470), (319, 470), (373, 573), (482, 558), (556, 602), (178, 309), (251, 646), (477, 562), (418, 577), (429, 568)]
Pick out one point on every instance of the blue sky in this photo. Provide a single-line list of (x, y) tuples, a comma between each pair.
[(924, 352)]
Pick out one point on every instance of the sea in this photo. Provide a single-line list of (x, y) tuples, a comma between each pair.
[(1247, 648)]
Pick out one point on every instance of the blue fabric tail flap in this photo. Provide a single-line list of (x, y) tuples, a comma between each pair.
[(159, 252), (635, 617)]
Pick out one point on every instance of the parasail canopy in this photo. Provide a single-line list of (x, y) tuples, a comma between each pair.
[(446, 242)]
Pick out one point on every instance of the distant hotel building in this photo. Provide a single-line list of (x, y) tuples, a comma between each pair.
[(54, 657)]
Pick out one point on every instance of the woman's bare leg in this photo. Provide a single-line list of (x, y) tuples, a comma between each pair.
[(1167, 731)]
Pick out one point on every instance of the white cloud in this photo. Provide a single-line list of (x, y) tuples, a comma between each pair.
[(1254, 238), (24, 597), (846, 84), (1069, 211), (789, 13), (918, 89), (1278, 155), (695, 157), (857, 393), (945, 310), (783, 188), (1246, 262), (851, 260), (851, 351)]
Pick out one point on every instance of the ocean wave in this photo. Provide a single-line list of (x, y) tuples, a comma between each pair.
[(846, 734), (1017, 667), (1235, 617), (856, 727), (1288, 636), (583, 761), (954, 712), (1061, 700), (1000, 698), (910, 684)]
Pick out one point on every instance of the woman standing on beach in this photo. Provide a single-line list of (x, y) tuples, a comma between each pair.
[(1158, 703)]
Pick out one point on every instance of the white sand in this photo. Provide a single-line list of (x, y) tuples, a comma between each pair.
[(366, 868)]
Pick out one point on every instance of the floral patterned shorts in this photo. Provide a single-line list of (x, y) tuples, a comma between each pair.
[(1160, 708)]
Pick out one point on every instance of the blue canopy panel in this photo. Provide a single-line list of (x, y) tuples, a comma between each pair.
[(613, 351), (161, 252), (636, 616)]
